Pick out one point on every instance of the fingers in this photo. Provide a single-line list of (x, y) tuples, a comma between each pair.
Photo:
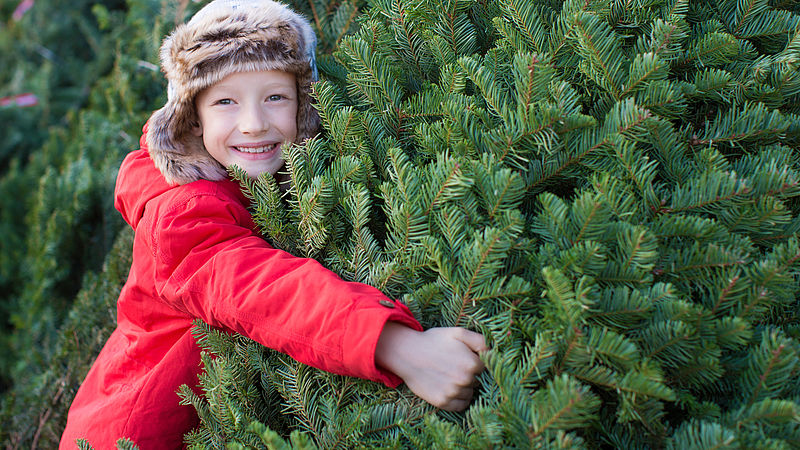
[(456, 405), (473, 340), (476, 343), (444, 367), (456, 402)]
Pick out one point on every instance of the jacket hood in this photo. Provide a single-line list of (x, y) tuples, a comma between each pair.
[(138, 181)]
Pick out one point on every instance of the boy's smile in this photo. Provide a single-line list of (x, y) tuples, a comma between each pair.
[(246, 117)]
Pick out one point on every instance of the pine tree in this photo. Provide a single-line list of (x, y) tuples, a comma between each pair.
[(608, 191)]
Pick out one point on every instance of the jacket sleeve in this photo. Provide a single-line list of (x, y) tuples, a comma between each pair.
[(210, 265)]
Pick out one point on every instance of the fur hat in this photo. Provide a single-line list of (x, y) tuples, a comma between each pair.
[(224, 37)]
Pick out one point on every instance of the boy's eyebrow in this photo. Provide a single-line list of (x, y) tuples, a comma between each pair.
[(271, 84)]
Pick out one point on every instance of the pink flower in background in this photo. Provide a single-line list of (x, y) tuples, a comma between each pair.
[(27, 99), (22, 8), (21, 100)]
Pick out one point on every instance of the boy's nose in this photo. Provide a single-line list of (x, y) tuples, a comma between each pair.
[(253, 120)]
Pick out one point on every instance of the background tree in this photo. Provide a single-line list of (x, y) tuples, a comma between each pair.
[(92, 67)]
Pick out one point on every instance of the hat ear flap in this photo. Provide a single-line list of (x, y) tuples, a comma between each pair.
[(197, 128), (180, 156), (311, 53), (308, 121)]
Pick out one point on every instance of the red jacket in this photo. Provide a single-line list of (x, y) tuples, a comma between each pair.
[(197, 254)]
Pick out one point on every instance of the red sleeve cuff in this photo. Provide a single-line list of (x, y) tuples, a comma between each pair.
[(361, 335)]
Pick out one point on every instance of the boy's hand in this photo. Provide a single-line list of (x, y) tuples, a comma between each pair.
[(439, 365)]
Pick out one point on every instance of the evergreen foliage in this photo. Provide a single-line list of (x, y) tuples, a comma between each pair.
[(57, 51), (34, 411), (57, 172), (56, 197), (607, 190)]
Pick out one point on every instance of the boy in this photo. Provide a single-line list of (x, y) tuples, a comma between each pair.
[(239, 76)]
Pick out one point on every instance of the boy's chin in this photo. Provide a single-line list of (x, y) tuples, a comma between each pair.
[(281, 175), (254, 171)]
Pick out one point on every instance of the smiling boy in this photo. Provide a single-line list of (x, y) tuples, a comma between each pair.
[(246, 117)]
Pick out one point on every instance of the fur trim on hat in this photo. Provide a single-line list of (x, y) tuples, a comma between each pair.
[(225, 37)]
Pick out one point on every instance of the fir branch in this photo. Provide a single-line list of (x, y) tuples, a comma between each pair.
[(537, 357), (564, 404), (705, 265), (450, 179), (636, 166), (343, 127), (409, 220), (527, 21), (596, 207), (566, 25), (759, 297), (663, 98), (484, 78), (449, 26), (599, 43), (767, 411), (574, 158), (706, 202), (644, 67), (704, 367), (776, 362), (645, 382), (735, 332), (672, 34), (344, 26), (706, 435), (455, 26), (751, 8), (640, 248), (719, 48), (722, 298), (551, 223), (613, 349), (574, 340), (638, 313), (671, 336), (371, 80), (409, 39), (529, 85), (486, 264)]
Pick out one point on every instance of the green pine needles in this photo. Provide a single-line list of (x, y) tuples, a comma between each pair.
[(607, 190)]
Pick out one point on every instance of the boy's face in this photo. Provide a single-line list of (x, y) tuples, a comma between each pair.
[(246, 117)]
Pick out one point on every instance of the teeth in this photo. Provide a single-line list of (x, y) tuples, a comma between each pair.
[(263, 149)]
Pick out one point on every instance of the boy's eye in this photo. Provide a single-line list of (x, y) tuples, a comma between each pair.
[(275, 97), (224, 101)]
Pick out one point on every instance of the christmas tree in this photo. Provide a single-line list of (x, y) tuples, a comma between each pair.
[(608, 191)]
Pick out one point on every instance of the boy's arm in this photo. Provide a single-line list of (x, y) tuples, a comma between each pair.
[(209, 265), (439, 365)]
